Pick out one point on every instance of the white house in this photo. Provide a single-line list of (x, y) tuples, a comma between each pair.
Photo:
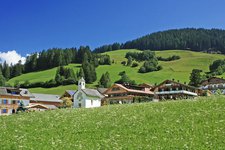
[(86, 98)]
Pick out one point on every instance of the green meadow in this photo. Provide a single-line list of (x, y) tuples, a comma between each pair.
[(184, 124), (178, 69)]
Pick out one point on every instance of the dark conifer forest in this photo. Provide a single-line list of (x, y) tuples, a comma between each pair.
[(211, 40)]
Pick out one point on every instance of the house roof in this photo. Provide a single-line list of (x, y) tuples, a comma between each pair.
[(176, 83), (26, 92), (46, 97), (71, 92), (146, 85), (21, 91), (51, 106), (102, 90), (133, 90), (209, 80), (92, 92), (36, 105)]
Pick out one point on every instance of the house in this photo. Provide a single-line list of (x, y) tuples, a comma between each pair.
[(39, 107), (86, 98), (11, 98), (169, 89), (48, 100), (213, 84), (126, 94)]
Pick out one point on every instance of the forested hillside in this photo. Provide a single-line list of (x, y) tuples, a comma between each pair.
[(179, 69), (188, 38), (55, 57)]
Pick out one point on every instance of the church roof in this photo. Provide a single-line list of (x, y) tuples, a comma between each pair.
[(92, 92)]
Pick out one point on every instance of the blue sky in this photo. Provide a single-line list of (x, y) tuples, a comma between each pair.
[(28, 26)]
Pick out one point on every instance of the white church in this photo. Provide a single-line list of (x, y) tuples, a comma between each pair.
[(86, 98)]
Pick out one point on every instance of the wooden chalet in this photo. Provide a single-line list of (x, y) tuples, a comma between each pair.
[(170, 89), (213, 84), (125, 94)]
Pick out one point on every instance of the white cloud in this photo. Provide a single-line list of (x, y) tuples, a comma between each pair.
[(11, 57)]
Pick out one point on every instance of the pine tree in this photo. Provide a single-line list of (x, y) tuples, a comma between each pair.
[(2, 79), (81, 73), (6, 71), (195, 77), (105, 81)]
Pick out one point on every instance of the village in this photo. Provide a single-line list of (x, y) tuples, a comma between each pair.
[(14, 100)]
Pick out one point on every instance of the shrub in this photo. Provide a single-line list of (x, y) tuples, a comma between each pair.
[(134, 64), (123, 63)]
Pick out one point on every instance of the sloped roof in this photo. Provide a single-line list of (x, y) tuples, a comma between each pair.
[(37, 105), (46, 97), (134, 91), (146, 85), (26, 92), (102, 90), (23, 92), (71, 92), (92, 92), (176, 83), (210, 82)]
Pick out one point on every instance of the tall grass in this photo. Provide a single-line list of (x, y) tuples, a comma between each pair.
[(185, 124)]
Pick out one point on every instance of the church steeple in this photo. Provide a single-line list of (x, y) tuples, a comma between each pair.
[(81, 84)]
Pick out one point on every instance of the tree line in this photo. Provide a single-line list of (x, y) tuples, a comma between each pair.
[(54, 57), (186, 39)]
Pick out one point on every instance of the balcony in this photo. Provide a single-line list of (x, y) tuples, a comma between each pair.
[(176, 92)]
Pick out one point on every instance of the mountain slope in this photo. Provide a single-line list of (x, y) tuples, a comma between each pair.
[(185, 124), (187, 38), (178, 69)]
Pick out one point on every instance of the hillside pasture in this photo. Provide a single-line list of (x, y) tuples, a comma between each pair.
[(184, 124), (178, 69)]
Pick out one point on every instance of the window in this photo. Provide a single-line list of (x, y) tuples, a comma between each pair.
[(5, 101), (4, 111), (13, 101), (91, 102), (79, 104)]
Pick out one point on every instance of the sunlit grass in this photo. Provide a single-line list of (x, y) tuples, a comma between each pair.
[(185, 124)]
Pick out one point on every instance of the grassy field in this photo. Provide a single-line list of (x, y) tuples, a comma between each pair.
[(185, 124), (179, 69)]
